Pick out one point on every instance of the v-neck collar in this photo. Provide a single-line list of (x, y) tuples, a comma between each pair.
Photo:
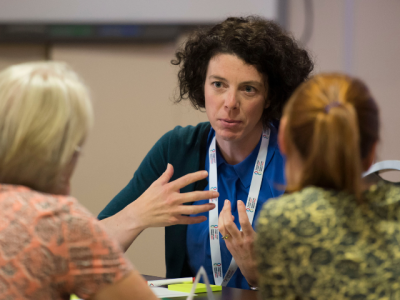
[(244, 169)]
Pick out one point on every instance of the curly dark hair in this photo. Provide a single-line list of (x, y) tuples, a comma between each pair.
[(259, 42)]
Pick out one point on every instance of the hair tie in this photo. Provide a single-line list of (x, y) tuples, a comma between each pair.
[(332, 104)]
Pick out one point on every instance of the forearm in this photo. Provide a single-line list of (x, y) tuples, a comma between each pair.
[(131, 287), (123, 228)]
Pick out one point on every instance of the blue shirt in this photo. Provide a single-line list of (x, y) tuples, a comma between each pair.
[(234, 184)]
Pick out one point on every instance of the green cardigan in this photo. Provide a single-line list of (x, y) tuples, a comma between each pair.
[(185, 148)]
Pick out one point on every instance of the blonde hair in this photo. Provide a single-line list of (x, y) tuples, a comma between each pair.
[(333, 123), (45, 114)]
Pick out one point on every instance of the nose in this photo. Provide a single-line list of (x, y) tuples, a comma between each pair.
[(231, 101)]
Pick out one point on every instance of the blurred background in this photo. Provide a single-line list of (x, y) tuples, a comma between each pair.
[(122, 49)]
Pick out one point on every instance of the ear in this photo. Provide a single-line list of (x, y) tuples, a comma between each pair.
[(370, 158), (281, 136), (266, 92), (267, 103)]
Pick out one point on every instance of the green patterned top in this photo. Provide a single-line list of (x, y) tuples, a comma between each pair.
[(320, 244)]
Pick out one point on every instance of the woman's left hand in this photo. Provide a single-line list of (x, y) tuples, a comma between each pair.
[(239, 243)]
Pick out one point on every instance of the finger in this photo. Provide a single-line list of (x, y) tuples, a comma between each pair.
[(230, 226), (188, 179), (197, 196), (244, 219), (195, 209), (166, 176), (221, 225)]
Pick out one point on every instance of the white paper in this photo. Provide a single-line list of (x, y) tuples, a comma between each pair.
[(162, 292)]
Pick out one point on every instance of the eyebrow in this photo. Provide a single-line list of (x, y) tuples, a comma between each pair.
[(257, 83), (217, 77), (251, 82)]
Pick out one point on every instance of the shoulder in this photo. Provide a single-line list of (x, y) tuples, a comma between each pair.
[(183, 142), (383, 199), (54, 218), (51, 219), (37, 203), (92, 259), (57, 239), (384, 191), (296, 218), (190, 129), (283, 211), (187, 134), (173, 146), (28, 216)]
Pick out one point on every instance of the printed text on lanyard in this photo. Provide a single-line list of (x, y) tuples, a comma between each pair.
[(251, 205)]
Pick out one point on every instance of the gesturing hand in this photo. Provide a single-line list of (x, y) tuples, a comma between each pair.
[(239, 243), (162, 203)]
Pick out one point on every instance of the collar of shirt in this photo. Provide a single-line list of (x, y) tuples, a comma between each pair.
[(244, 169)]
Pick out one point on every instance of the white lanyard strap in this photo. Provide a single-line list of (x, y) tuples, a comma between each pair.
[(213, 217), (250, 206)]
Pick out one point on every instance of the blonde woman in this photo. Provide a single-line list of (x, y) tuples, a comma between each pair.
[(50, 246), (332, 236)]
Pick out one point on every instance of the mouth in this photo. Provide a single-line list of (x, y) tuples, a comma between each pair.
[(229, 121), (230, 124)]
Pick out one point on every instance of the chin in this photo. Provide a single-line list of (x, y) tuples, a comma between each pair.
[(229, 136)]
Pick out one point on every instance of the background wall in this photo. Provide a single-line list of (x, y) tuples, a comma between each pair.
[(133, 87)]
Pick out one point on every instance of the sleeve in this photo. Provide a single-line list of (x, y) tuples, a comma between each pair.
[(150, 169), (89, 258), (182, 147), (270, 247)]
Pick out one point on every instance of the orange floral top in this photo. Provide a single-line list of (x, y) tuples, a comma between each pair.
[(51, 247)]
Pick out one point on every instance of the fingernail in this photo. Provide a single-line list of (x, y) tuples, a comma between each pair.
[(226, 202)]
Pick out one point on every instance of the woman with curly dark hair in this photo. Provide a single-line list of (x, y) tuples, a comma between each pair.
[(241, 71)]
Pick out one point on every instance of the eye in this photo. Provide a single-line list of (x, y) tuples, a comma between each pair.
[(249, 89), (217, 84)]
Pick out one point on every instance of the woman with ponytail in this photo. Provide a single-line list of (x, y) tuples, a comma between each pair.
[(331, 236)]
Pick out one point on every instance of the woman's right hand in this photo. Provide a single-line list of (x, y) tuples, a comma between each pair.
[(160, 205)]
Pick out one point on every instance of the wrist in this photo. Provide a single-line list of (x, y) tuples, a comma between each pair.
[(133, 218), (251, 274), (252, 283)]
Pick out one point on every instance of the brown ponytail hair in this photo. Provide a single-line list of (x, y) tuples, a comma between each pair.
[(333, 123)]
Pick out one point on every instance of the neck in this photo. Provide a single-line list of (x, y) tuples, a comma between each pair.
[(235, 152), (293, 170)]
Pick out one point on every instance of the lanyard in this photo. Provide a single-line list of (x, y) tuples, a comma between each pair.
[(250, 206)]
